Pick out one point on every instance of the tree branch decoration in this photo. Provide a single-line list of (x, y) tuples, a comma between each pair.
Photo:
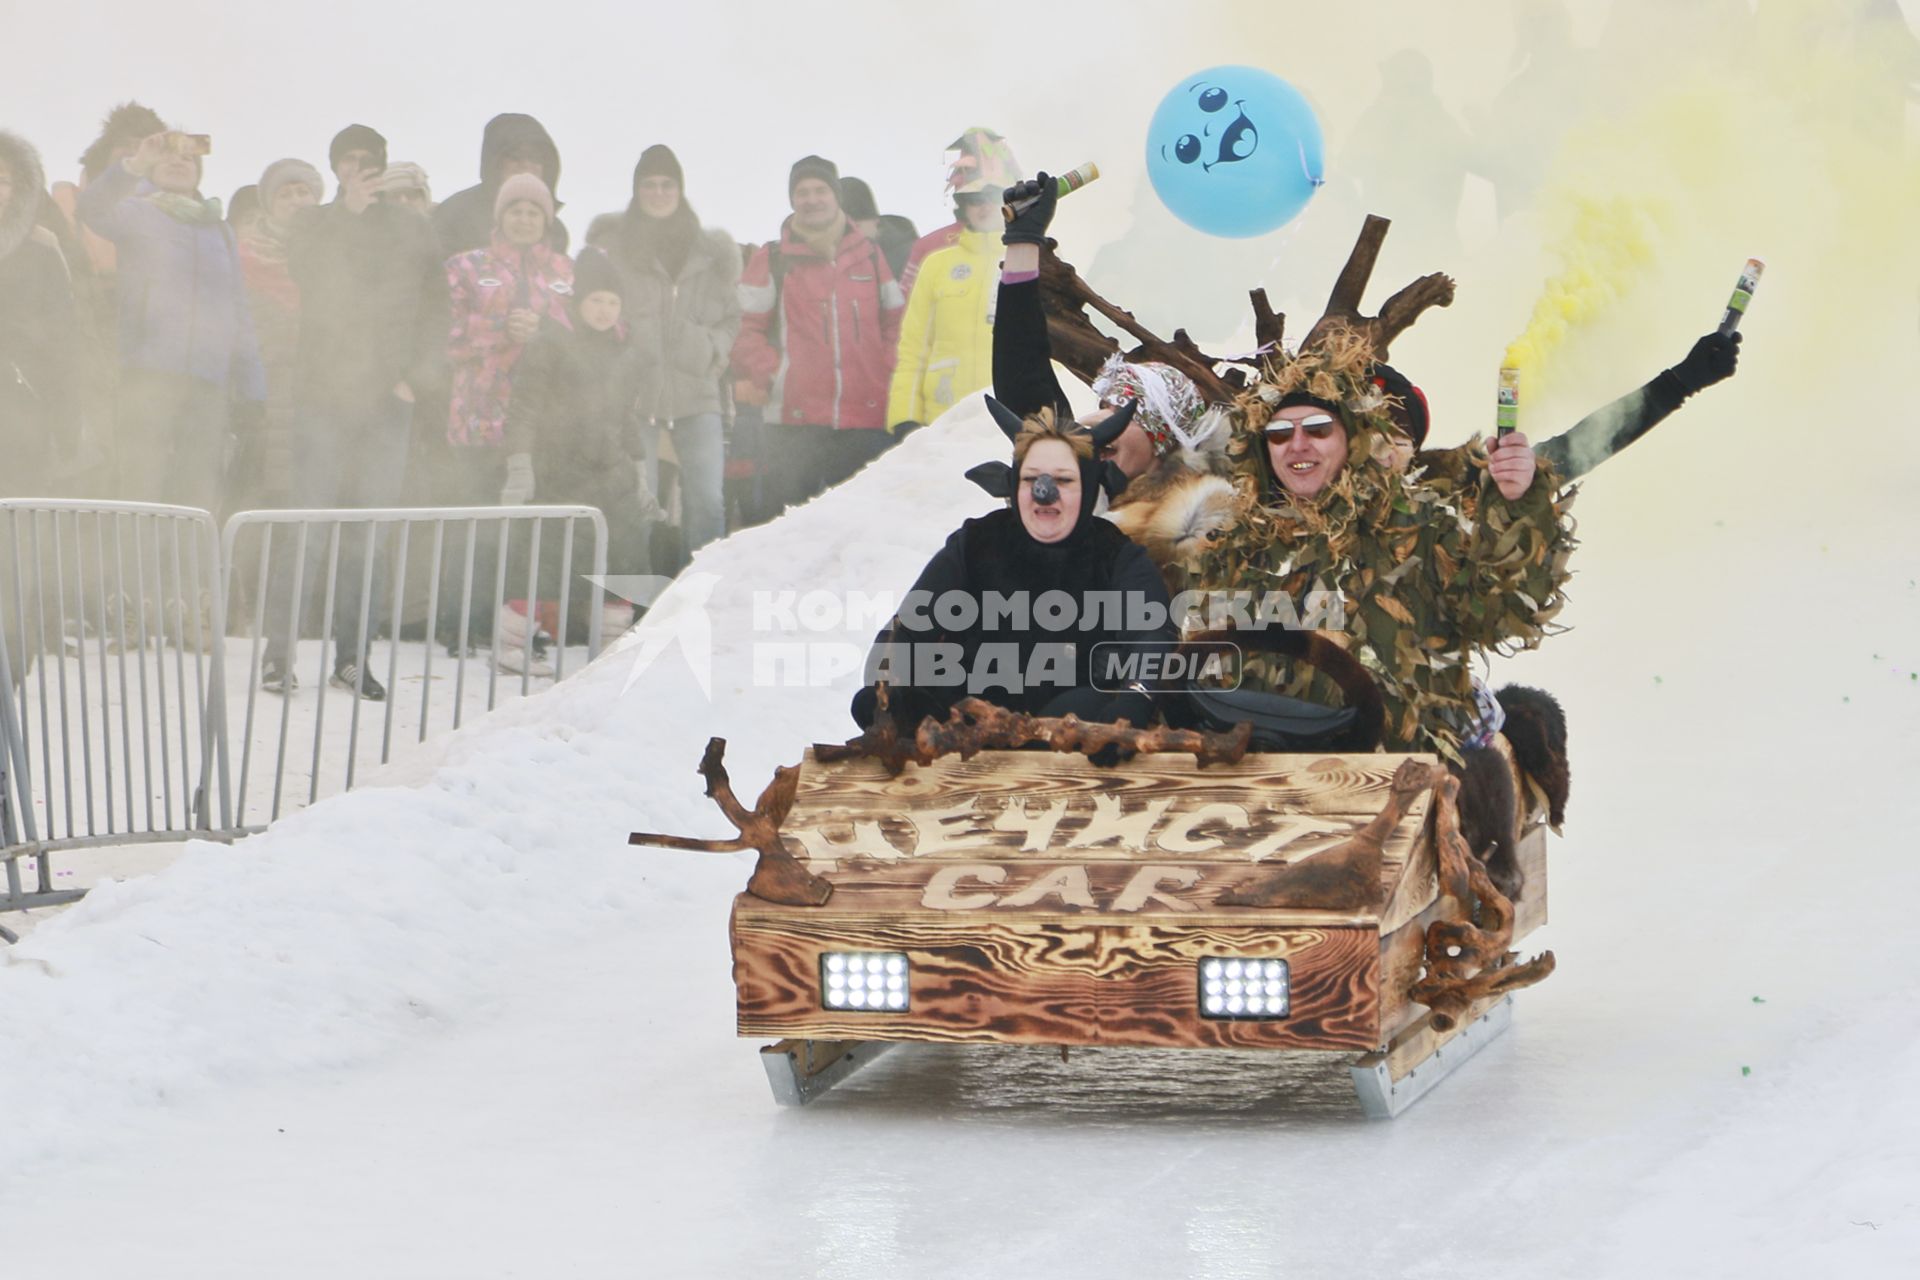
[(1083, 348), (1466, 962), (777, 877), (975, 725), (1397, 314)]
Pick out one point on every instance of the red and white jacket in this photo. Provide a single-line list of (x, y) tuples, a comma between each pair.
[(831, 359)]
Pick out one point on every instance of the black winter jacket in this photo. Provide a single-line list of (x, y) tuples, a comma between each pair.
[(373, 304), (464, 220), (994, 554), (42, 343), (571, 409)]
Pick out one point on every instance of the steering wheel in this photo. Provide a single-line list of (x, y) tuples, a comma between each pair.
[(1281, 722)]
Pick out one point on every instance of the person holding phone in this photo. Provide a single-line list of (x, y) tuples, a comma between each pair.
[(187, 346), (373, 307)]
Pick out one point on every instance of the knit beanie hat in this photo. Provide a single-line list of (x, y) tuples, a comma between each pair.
[(357, 137), (1411, 413), (658, 161), (404, 175), (1294, 399), (281, 172), (523, 186), (1169, 405), (856, 199), (813, 167), (593, 272)]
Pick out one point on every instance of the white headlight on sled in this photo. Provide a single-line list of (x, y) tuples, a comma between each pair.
[(1235, 987), (869, 981)]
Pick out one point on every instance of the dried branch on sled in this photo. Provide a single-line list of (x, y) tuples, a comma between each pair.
[(1467, 962), (777, 877), (1083, 348), (976, 725), (881, 741), (1347, 876)]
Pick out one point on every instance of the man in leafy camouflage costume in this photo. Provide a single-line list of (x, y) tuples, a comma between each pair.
[(1431, 569)]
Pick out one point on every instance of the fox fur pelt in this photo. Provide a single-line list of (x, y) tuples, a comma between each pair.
[(1176, 505)]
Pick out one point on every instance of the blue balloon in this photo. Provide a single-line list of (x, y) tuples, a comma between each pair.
[(1235, 151)]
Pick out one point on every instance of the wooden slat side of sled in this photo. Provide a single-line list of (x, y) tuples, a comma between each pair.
[(1047, 901)]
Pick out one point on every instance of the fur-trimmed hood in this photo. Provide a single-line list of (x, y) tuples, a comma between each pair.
[(29, 188), (128, 122)]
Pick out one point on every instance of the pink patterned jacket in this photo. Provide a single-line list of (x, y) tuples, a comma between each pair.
[(486, 284)]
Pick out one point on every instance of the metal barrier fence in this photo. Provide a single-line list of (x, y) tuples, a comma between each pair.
[(114, 634), (482, 539), (109, 658)]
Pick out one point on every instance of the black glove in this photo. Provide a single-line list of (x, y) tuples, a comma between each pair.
[(905, 428), (1712, 360), (1029, 226)]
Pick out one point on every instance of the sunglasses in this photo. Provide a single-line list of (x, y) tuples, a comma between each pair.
[(1318, 427)]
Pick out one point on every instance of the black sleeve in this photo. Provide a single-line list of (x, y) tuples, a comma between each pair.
[(947, 571), (1606, 431), (1022, 355), (1140, 583), (433, 314), (536, 392), (306, 248), (60, 341)]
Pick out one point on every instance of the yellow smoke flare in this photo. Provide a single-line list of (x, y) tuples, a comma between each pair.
[(1607, 250)]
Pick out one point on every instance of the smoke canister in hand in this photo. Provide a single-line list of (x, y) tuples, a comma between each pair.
[(1507, 414), (1021, 194), (1742, 295)]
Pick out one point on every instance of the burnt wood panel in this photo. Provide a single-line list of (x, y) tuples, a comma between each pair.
[(1345, 785), (1054, 982), (1026, 811), (1414, 883), (1063, 889), (1334, 994)]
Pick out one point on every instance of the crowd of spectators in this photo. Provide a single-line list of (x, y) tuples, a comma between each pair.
[(339, 339)]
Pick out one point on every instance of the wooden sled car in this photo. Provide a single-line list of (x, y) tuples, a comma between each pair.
[(1290, 902)]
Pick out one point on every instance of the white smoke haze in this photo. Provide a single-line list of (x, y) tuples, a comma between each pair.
[(450, 1025), (1721, 129)]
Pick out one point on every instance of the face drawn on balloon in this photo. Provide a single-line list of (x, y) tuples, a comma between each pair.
[(1237, 140), (1234, 151)]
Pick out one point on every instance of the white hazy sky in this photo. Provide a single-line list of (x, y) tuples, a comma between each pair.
[(740, 88)]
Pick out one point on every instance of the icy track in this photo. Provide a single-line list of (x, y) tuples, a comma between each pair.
[(450, 1025)]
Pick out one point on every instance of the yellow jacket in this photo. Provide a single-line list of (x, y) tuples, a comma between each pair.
[(946, 339)]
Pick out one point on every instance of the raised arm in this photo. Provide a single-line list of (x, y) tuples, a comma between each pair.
[(1606, 431), (1023, 377)]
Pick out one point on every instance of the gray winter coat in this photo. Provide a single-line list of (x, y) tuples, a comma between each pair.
[(683, 329)]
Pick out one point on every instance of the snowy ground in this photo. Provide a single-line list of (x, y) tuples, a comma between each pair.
[(453, 1026), (269, 735)]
